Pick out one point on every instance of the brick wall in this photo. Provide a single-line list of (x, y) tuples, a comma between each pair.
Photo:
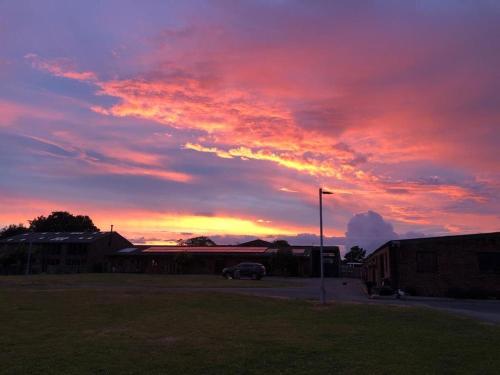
[(448, 266)]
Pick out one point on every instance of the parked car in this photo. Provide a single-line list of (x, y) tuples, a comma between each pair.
[(253, 270)]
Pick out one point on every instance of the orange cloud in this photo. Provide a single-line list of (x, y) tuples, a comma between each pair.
[(233, 122), (311, 167)]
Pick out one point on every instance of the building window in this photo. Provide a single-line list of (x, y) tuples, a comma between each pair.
[(75, 262), (77, 249), (489, 262), (426, 262)]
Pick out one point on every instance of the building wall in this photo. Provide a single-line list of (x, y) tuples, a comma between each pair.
[(331, 261), (196, 263), (448, 267), (378, 269), (179, 263), (102, 248)]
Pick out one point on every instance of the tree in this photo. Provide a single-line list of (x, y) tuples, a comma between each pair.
[(197, 241), (283, 261), (356, 254), (13, 230), (62, 221), (281, 244)]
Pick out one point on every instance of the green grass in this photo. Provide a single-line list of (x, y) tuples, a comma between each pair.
[(139, 280), (130, 331)]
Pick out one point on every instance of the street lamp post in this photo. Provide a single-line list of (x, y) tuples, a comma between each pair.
[(321, 267)]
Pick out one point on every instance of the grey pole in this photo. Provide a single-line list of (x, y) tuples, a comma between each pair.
[(323, 291)]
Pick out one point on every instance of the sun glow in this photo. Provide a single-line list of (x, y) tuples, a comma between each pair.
[(222, 225)]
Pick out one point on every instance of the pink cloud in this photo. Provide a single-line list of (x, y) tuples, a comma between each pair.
[(60, 68), (307, 98)]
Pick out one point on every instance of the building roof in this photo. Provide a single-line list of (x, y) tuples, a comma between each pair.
[(150, 250), (438, 238), (256, 243), (56, 237), (257, 250), (204, 249), (128, 250)]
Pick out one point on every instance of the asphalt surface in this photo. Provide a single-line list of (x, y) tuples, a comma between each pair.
[(351, 290)]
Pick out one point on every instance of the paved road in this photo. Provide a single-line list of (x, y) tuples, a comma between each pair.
[(351, 290)]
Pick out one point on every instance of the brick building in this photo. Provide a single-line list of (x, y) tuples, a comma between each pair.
[(72, 252), (59, 252), (301, 260), (455, 266)]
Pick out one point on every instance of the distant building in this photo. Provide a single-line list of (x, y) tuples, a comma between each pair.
[(455, 266), (71, 252), (59, 252), (351, 269), (299, 261)]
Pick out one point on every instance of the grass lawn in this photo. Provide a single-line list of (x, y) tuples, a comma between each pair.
[(130, 331), (139, 280)]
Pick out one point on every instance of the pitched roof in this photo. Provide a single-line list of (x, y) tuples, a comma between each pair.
[(56, 237), (256, 243)]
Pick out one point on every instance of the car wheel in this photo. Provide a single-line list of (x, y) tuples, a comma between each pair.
[(228, 276), (236, 274), (255, 276)]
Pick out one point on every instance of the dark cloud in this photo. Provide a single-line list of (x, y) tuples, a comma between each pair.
[(369, 230)]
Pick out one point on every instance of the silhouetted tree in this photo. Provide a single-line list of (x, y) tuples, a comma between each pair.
[(356, 254), (283, 261), (281, 244), (13, 230), (62, 221), (197, 241)]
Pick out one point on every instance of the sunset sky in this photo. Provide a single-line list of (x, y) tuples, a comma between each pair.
[(174, 119)]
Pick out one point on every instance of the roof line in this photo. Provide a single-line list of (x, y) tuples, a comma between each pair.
[(430, 238)]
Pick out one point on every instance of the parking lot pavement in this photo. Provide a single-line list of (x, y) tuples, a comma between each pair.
[(351, 290), (309, 288), (486, 310)]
